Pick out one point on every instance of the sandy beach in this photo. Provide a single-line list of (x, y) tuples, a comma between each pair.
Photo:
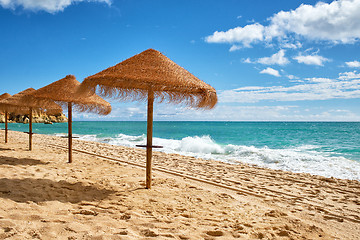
[(101, 195)]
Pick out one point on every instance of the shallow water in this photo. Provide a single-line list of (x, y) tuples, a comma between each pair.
[(321, 148)]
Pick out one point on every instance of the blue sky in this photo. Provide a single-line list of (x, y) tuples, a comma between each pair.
[(268, 60)]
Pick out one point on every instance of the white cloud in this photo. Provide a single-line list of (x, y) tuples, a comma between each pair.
[(245, 35), (135, 111), (247, 60), (227, 113), (128, 111), (277, 58), (51, 6), (347, 86), (319, 80), (245, 113), (223, 112), (336, 22), (271, 71), (235, 47), (311, 59), (250, 88), (291, 77), (349, 75), (354, 64), (295, 45)]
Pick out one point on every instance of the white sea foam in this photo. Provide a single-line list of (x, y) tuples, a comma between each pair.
[(306, 158), (88, 137), (128, 141), (59, 134)]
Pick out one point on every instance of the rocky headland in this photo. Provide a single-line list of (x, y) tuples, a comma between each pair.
[(37, 118)]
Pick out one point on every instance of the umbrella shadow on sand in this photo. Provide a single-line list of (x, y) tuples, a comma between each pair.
[(20, 161), (42, 190)]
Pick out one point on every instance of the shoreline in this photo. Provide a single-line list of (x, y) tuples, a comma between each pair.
[(299, 151), (269, 203)]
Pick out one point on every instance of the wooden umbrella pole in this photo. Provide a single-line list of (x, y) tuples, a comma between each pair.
[(6, 126), (30, 129), (149, 138), (70, 130)]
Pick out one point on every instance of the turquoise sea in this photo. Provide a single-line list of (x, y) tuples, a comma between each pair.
[(330, 149)]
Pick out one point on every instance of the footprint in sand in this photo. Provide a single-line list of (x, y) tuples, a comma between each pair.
[(215, 233), (149, 233), (326, 217), (86, 212), (125, 216), (182, 237), (248, 225), (283, 233), (122, 233), (275, 214)]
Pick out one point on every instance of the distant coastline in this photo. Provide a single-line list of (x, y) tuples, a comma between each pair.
[(37, 118)]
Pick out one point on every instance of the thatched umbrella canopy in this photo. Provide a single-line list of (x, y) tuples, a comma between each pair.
[(2, 97), (151, 75), (63, 93), (20, 103)]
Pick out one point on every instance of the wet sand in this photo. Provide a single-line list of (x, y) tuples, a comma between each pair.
[(97, 197)]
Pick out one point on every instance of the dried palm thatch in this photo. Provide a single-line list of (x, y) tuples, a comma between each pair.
[(2, 97), (10, 104), (147, 76), (63, 93), (132, 78), (21, 103)]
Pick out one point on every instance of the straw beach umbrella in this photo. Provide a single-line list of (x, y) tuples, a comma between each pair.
[(147, 76), (63, 93), (2, 97), (21, 104)]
